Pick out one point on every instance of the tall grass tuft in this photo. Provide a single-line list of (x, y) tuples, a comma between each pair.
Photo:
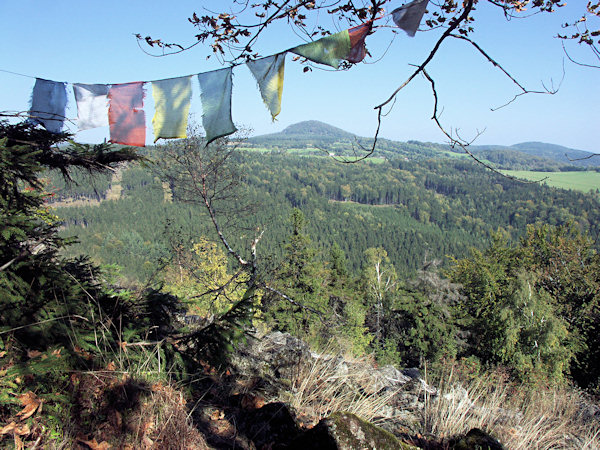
[(520, 417), (327, 386)]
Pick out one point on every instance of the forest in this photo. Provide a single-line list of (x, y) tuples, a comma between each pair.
[(430, 223), (415, 207), (163, 262)]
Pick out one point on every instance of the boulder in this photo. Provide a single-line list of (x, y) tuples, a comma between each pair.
[(384, 377), (475, 439), (345, 431), (276, 354)]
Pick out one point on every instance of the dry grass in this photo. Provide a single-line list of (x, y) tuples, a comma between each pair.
[(327, 386), (129, 414), (519, 417)]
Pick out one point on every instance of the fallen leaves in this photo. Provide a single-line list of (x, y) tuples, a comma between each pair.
[(250, 401), (94, 445), (33, 353), (19, 430), (31, 403), (217, 415)]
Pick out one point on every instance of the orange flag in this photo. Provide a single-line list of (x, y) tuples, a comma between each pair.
[(126, 116)]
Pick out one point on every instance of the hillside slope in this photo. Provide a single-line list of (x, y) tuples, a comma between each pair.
[(313, 134)]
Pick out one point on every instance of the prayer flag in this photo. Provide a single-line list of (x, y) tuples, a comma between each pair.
[(171, 107), (358, 34), (408, 17), (92, 105), (329, 50), (48, 104), (216, 103), (126, 114), (268, 73)]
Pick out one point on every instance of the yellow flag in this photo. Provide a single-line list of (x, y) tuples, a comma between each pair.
[(171, 105), (268, 73)]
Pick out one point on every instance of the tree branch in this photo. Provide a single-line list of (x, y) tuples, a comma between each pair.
[(461, 142), (289, 299), (454, 24)]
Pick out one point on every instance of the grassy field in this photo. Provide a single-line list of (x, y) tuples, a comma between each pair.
[(313, 152), (578, 181)]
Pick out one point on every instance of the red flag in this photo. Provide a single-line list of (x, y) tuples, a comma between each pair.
[(126, 114), (358, 51)]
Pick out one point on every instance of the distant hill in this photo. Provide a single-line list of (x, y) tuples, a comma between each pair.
[(511, 159), (316, 134), (556, 152), (316, 128), (523, 156), (535, 155), (305, 133)]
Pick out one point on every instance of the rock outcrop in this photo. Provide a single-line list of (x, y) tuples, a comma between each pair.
[(255, 405)]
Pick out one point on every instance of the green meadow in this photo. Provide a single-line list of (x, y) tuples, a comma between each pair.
[(583, 181), (317, 152)]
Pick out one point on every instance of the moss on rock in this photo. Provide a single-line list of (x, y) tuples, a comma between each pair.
[(345, 431)]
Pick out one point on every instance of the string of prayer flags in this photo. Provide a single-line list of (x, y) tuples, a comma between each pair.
[(48, 104), (357, 35), (216, 89), (121, 106), (408, 17), (268, 73), (329, 50), (126, 116), (172, 99), (92, 105)]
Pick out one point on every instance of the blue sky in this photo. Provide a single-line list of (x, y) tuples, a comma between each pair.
[(92, 42)]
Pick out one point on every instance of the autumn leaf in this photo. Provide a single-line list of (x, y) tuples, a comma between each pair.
[(19, 430), (31, 403), (18, 443), (8, 428), (217, 415), (93, 444), (33, 353), (22, 430)]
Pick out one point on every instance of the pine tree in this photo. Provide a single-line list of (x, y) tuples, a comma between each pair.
[(49, 305), (37, 287)]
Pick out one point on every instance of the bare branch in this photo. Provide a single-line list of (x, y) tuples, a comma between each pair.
[(461, 142), (454, 24), (290, 300), (577, 62), (219, 289), (581, 159)]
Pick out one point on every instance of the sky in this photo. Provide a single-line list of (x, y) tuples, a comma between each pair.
[(93, 42)]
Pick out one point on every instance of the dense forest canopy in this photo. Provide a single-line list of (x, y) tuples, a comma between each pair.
[(413, 205)]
